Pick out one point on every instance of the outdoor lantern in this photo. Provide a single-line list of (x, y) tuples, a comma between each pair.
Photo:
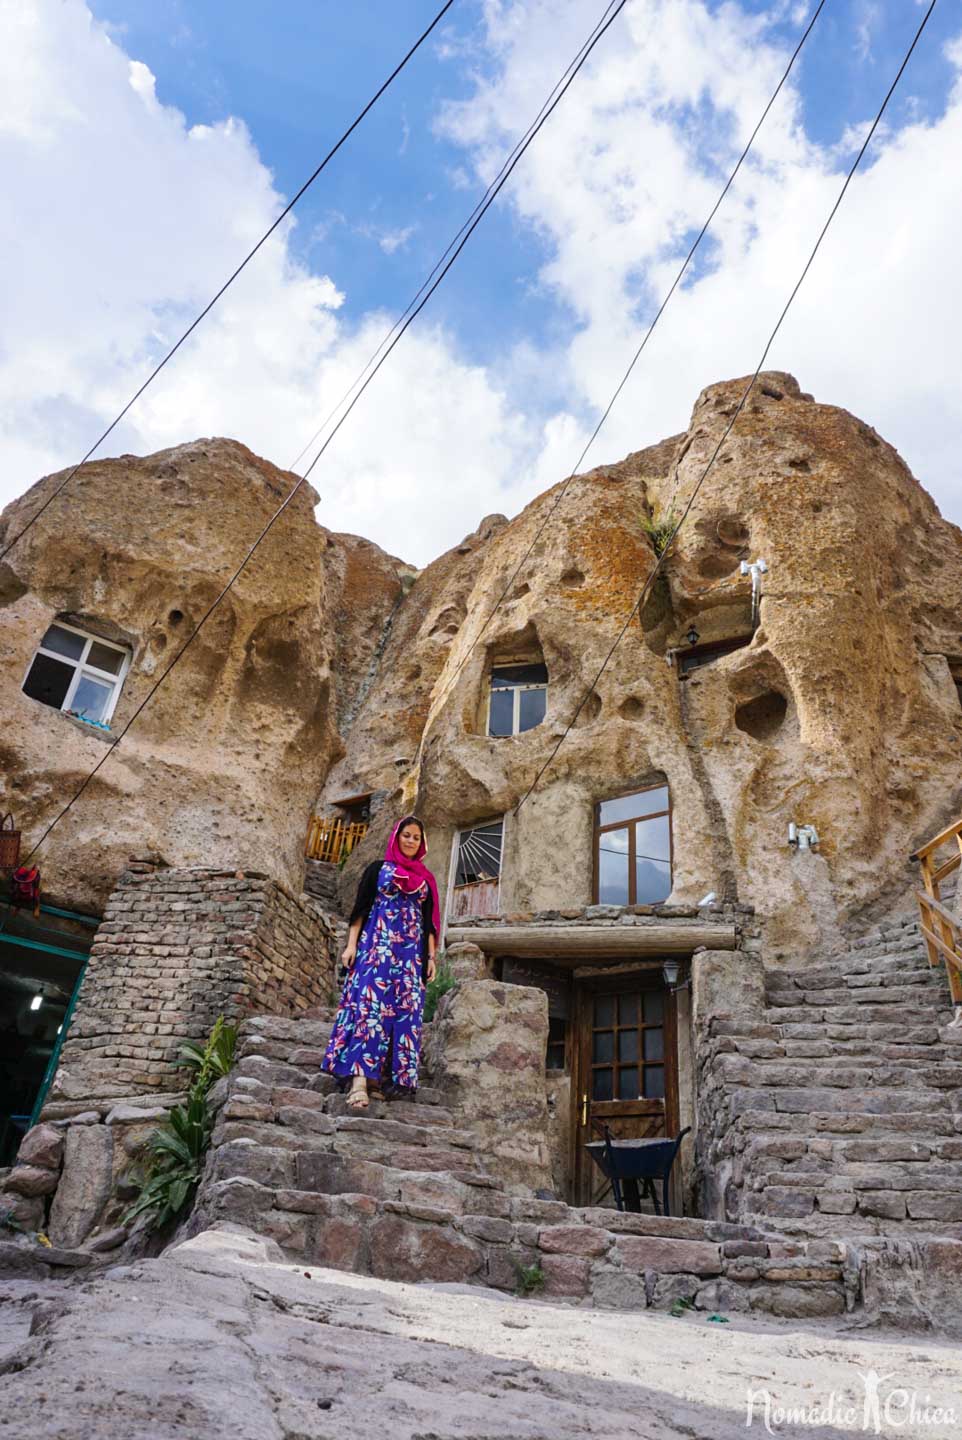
[(692, 635), (670, 971), (37, 1001)]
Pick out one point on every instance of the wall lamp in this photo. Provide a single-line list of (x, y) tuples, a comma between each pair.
[(802, 837), (670, 970), (37, 1001)]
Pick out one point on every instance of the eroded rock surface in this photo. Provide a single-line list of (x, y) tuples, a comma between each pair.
[(224, 763), (839, 710)]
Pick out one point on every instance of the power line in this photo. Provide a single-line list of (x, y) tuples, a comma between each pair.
[(401, 318), (634, 360), (230, 280), (738, 410), (572, 72)]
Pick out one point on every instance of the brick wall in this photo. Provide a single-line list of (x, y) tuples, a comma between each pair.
[(177, 948)]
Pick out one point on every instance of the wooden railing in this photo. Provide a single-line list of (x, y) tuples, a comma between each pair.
[(941, 929), (330, 839)]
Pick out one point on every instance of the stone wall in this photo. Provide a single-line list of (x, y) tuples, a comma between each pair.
[(177, 948)]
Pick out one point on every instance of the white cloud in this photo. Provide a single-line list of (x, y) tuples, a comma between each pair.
[(626, 171), (126, 222)]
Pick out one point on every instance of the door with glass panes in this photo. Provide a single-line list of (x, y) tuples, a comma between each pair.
[(625, 1068)]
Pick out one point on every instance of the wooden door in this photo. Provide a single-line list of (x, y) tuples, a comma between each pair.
[(625, 1070)]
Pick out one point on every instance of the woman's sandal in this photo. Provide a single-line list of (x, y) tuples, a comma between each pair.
[(357, 1098)]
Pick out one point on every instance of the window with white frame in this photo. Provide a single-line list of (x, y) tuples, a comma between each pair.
[(518, 699), (77, 672)]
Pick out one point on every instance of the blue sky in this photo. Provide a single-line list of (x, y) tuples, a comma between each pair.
[(297, 72), (191, 121)]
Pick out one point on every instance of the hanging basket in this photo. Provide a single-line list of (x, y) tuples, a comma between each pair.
[(9, 844)]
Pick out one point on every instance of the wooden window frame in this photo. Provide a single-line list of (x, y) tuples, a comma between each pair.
[(453, 887), (631, 822), (81, 667)]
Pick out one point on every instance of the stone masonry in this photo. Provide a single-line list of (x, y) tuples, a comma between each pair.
[(834, 1106), (406, 1191), (177, 948)]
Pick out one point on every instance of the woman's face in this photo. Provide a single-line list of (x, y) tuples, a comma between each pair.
[(409, 840)]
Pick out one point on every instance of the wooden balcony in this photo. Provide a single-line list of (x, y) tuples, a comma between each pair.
[(333, 839), (941, 929)]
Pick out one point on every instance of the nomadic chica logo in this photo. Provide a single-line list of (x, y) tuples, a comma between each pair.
[(877, 1411)]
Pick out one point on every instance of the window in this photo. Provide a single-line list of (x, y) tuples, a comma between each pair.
[(633, 848), (519, 697), (76, 672), (628, 1046), (697, 655), (557, 1034), (477, 871)]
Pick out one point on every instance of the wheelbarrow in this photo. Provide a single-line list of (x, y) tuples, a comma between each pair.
[(626, 1162)]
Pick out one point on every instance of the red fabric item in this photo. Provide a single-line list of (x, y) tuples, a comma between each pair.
[(410, 874), (25, 886)]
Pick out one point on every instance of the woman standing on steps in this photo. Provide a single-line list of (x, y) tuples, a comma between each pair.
[(390, 953)]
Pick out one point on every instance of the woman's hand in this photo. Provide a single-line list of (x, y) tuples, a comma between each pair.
[(349, 954), (432, 968)]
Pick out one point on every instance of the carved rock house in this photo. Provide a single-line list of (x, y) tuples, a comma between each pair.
[(702, 918)]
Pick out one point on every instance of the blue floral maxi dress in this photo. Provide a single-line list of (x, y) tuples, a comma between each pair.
[(382, 1005)]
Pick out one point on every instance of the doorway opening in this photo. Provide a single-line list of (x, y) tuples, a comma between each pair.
[(42, 962)]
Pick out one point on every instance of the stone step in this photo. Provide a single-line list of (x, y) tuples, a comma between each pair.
[(927, 994), (431, 1228), (833, 1153), (855, 1049), (858, 1014), (928, 1126), (854, 967), (854, 1072), (805, 1100)]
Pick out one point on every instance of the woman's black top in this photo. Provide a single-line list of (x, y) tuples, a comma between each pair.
[(367, 894)]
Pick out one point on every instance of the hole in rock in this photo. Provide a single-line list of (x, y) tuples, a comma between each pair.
[(772, 392), (763, 717), (590, 710), (732, 531), (798, 462), (715, 567), (631, 709), (573, 576), (175, 617), (524, 589)]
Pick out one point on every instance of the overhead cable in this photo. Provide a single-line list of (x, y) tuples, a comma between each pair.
[(232, 277), (659, 565), (633, 362), (572, 72)]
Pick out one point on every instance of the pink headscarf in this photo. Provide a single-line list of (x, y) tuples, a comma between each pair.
[(410, 874)]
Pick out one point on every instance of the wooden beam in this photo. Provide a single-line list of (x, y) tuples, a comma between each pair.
[(569, 944), (947, 834)]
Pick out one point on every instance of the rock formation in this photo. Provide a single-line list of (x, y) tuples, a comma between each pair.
[(222, 766), (841, 710)]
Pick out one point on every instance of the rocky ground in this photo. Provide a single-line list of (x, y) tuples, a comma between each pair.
[(217, 1338)]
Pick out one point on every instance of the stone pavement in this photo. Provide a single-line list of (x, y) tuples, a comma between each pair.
[(217, 1340)]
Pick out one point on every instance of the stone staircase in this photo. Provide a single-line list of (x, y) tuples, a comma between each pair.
[(402, 1192), (841, 1109)]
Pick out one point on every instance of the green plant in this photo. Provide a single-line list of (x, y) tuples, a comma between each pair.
[(659, 530), (680, 1306), (530, 1278), (7, 1222), (444, 980), (177, 1148), (215, 1059)]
